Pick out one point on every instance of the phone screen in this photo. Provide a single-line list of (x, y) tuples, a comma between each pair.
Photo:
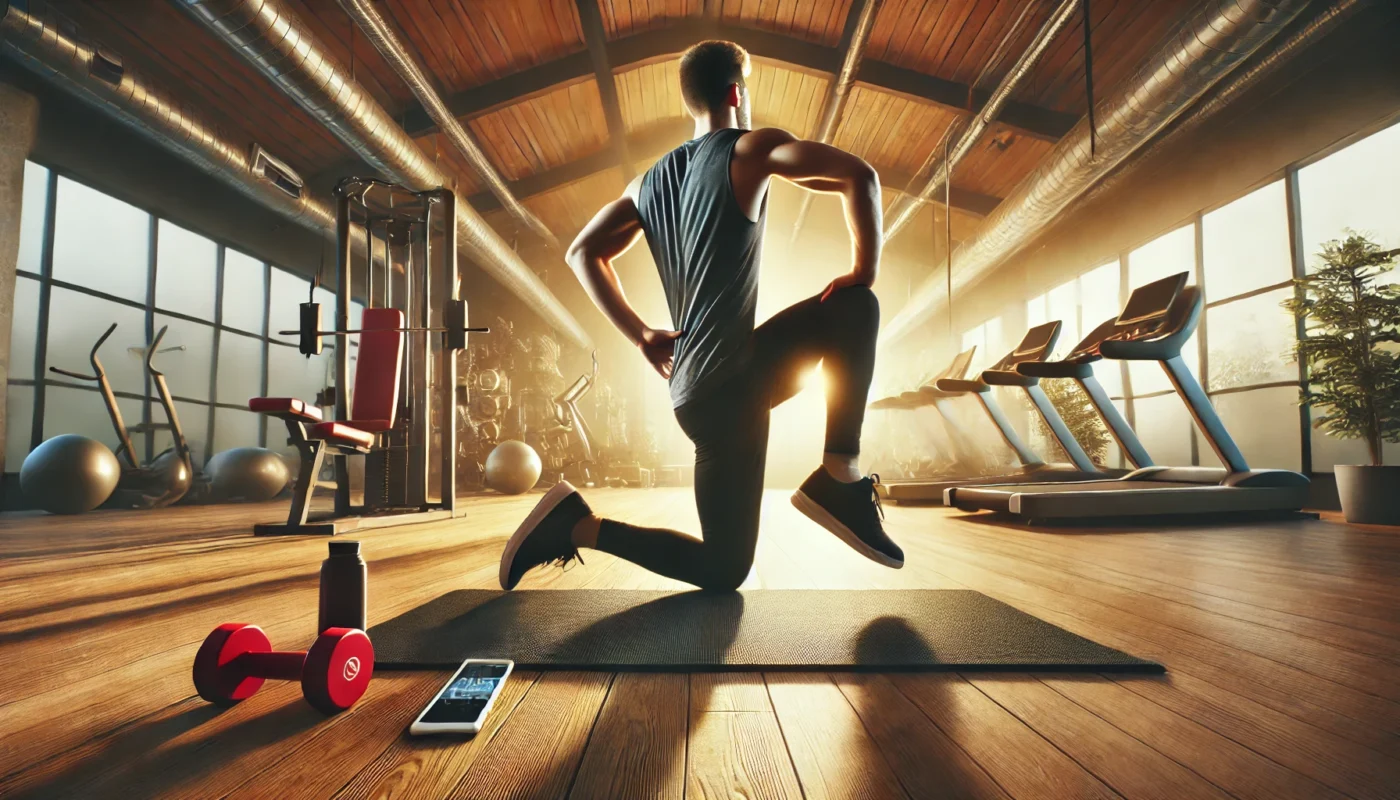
[(468, 694)]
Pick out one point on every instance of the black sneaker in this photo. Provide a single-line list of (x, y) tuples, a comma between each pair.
[(546, 536), (851, 511)]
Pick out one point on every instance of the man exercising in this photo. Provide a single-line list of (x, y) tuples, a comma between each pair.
[(701, 209)]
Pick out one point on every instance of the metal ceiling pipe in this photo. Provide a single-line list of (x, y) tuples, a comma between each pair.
[(907, 206), (99, 78), (279, 45), (1208, 45), (382, 36), (840, 89), (1326, 21)]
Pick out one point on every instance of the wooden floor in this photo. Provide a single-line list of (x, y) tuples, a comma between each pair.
[(1282, 642)]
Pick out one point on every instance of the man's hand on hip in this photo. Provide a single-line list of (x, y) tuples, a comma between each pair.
[(659, 347)]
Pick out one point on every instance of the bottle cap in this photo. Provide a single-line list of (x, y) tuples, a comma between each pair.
[(345, 548)]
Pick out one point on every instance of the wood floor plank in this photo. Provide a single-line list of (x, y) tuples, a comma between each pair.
[(728, 691), (428, 767), (1348, 712), (923, 758), (1223, 761), (831, 750), (637, 749), (1318, 754), (1133, 769), (1015, 756), (738, 754), (537, 751), (1280, 641)]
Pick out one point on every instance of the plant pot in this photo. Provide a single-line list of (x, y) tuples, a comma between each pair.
[(1369, 495)]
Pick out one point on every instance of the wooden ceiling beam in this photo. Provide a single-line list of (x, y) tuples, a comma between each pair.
[(658, 139), (1031, 120), (599, 57)]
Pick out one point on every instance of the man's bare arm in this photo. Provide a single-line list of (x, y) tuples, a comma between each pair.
[(611, 232), (823, 168)]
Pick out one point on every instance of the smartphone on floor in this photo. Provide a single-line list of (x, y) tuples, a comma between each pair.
[(464, 702)]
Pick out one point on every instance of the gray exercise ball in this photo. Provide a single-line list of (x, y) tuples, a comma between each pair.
[(254, 474), (513, 467), (69, 474)]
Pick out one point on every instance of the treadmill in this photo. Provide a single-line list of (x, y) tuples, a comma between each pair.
[(913, 401), (1153, 491), (1034, 347)]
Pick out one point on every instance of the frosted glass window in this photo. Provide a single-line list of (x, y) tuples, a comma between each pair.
[(240, 368), (1328, 451), (996, 341), (244, 295), (1098, 296), (237, 428), (1357, 187), (24, 328), (291, 374), (19, 422), (76, 321), (81, 411), (194, 422), (1063, 305), (1264, 425), (31, 217), (1163, 257), (977, 337), (1250, 340), (186, 370), (288, 293), (100, 242), (187, 271), (1245, 244), (1036, 313), (1164, 426)]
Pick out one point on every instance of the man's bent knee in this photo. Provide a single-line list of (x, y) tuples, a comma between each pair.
[(725, 577)]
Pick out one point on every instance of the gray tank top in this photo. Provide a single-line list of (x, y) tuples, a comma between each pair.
[(707, 251)]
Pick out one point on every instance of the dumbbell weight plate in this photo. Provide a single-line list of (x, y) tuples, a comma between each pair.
[(338, 668), (215, 683)]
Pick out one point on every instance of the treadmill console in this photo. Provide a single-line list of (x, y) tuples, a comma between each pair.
[(1148, 305), (1143, 316)]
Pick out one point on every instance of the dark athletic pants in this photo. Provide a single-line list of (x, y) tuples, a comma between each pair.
[(729, 426)]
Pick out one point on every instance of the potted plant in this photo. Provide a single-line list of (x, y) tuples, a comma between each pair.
[(1353, 387)]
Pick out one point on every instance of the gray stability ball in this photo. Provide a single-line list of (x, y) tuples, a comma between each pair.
[(69, 474), (513, 467), (253, 474)]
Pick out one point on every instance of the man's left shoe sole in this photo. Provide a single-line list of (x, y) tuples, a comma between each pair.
[(548, 503), (813, 511)]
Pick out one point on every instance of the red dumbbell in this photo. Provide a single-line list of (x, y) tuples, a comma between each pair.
[(236, 658)]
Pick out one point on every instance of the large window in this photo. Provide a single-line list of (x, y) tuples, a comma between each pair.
[(1356, 188), (88, 260), (1242, 254)]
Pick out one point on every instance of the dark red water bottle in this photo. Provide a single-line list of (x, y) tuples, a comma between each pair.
[(343, 588)]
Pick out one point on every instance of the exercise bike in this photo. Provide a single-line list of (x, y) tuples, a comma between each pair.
[(164, 479)]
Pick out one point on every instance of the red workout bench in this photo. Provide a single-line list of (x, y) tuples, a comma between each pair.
[(374, 411)]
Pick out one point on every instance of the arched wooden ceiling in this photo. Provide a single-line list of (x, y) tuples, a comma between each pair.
[(523, 76)]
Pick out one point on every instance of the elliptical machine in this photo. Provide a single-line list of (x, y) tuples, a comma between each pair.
[(167, 477)]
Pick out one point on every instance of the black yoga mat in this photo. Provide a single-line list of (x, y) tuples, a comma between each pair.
[(595, 629)]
